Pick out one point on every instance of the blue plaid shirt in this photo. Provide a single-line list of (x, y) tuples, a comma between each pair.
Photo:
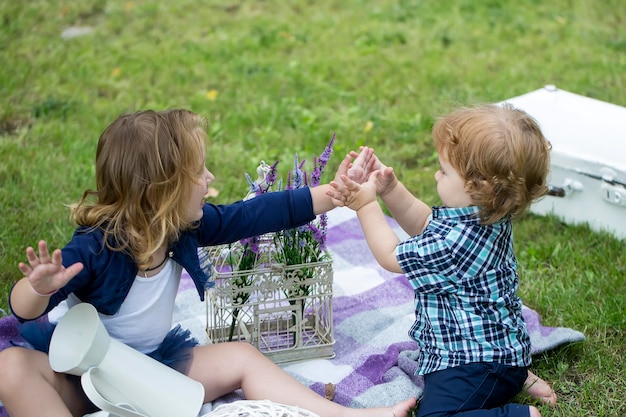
[(465, 279)]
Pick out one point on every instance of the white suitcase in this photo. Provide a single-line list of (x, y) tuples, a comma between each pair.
[(588, 159)]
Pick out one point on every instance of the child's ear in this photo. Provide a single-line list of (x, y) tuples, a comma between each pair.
[(485, 185), (478, 184)]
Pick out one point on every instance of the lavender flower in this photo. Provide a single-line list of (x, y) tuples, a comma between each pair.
[(316, 174), (320, 237), (254, 187), (300, 245), (320, 163), (324, 221), (319, 234), (270, 178), (328, 151), (298, 178), (251, 243)]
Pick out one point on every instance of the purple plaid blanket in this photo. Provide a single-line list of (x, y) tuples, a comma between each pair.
[(372, 312)]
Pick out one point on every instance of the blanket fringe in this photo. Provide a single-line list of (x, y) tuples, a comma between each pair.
[(264, 408), (329, 390)]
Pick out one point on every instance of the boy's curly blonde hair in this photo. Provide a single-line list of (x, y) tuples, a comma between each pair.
[(146, 163), (501, 153)]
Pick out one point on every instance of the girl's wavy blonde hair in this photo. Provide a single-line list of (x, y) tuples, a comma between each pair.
[(146, 163), (501, 153)]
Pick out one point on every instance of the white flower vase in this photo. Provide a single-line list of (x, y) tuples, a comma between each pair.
[(117, 378)]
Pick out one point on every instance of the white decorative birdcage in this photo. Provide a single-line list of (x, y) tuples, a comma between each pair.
[(285, 311)]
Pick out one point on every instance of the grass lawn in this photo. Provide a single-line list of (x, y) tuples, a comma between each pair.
[(278, 77)]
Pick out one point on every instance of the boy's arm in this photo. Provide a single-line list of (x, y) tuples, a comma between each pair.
[(410, 212), (380, 237)]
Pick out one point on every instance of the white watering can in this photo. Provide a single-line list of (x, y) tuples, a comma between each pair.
[(117, 378)]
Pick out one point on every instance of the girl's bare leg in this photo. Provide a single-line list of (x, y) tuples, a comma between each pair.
[(29, 387), (225, 367), (539, 389), (534, 412)]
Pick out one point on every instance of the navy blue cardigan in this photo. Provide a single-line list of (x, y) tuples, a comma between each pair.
[(108, 275)]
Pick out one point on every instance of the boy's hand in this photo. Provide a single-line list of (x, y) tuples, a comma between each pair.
[(45, 273)]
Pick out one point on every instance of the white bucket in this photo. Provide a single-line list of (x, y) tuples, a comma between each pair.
[(117, 378)]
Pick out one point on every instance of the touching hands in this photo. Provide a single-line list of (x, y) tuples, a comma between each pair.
[(46, 273), (365, 163), (352, 194), (361, 176)]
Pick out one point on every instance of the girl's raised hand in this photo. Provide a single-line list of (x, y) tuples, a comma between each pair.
[(365, 163), (45, 273)]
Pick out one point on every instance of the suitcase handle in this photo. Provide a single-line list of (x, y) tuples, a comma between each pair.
[(567, 188), (556, 191)]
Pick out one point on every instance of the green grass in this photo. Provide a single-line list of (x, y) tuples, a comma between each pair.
[(289, 74)]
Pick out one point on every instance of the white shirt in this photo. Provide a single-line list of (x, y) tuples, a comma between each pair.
[(145, 316)]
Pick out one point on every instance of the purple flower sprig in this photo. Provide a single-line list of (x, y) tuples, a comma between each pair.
[(296, 177), (272, 174), (299, 245), (320, 163), (255, 188), (306, 244)]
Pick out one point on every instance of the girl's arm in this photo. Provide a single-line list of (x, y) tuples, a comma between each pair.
[(268, 212), (44, 275), (25, 303), (322, 202)]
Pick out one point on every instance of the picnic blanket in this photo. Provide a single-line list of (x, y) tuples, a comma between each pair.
[(373, 310)]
